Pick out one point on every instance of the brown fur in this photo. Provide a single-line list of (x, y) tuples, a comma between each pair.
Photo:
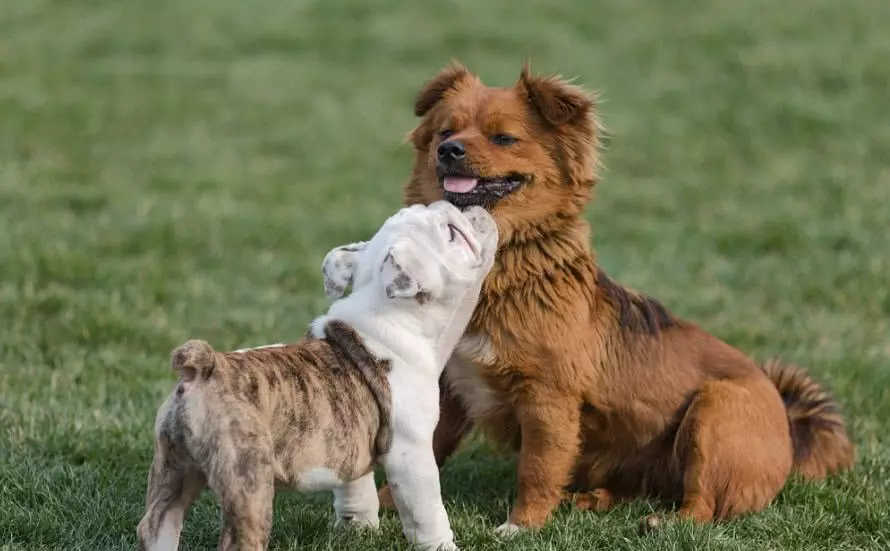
[(601, 389), (242, 422)]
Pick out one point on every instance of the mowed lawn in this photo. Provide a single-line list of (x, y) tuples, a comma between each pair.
[(178, 168)]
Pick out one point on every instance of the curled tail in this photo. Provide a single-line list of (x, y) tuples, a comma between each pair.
[(193, 359), (821, 444)]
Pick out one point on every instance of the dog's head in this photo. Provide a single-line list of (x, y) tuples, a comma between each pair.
[(526, 152), (422, 252)]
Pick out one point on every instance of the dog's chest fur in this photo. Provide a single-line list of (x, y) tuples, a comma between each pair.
[(465, 373), (523, 329)]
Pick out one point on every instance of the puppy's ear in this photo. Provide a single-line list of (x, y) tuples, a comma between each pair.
[(339, 267), (557, 101), (434, 90), (398, 273)]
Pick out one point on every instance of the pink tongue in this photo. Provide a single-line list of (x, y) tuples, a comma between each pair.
[(459, 185)]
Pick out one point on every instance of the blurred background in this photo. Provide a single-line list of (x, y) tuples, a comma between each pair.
[(178, 168)]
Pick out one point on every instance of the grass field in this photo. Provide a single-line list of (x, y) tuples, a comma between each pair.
[(178, 168)]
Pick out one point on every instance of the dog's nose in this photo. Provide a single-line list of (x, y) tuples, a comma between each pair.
[(452, 150)]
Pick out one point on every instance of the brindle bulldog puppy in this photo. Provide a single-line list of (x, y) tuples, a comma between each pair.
[(361, 389)]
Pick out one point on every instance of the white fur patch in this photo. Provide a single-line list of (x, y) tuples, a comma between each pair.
[(168, 536), (317, 479), (507, 530), (276, 345), (356, 503), (339, 268), (470, 387), (477, 347)]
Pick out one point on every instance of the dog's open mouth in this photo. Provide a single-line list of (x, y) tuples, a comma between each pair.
[(464, 191)]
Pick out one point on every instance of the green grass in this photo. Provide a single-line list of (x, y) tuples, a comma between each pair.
[(178, 168)]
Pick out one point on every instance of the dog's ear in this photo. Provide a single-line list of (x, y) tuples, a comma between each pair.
[(399, 273), (339, 267), (434, 90), (557, 101)]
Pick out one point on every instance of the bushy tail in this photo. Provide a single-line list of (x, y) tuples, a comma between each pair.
[(821, 444), (193, 359)]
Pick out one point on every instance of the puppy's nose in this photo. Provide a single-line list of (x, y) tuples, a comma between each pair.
[(451, 150), (479, 219)]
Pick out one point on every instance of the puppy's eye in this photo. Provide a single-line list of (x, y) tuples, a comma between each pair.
[(445, 134), (504, 139)]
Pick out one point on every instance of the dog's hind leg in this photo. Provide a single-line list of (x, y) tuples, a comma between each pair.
[(356, 502), (240, 473), (734, 449), (173, 485), (247, 517)]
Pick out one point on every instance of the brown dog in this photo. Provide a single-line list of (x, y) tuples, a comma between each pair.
[(605, 393)]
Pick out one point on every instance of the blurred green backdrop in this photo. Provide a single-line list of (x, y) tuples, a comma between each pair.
[(178, 168)]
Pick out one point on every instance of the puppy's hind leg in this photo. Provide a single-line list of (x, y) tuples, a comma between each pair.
[(173, 485), (356, 502), (242, 477)]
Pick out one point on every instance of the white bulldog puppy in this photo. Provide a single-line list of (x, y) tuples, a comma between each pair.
[(360, 390)]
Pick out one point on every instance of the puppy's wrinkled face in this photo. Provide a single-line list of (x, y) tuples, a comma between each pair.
[(525, 152), (421, 252)]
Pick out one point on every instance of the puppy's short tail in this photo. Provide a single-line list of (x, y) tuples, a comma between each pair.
[(194, 359), (821, 444)]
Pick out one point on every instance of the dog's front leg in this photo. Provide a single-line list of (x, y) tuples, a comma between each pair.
[(413, 478), (454, 424), (550, 443), (356, 502)]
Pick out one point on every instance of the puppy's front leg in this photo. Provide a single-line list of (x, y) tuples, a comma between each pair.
[(413, 477), (356, 502), (454, 424)]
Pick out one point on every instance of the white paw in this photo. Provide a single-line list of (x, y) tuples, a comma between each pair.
[(507, 530), (359, 521), (445, 545)]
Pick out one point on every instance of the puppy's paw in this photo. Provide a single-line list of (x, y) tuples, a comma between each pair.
[(450, 546), (364, 522), (507, 530)]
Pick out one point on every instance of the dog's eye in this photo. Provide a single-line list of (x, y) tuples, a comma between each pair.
[(504, 139), (445, 134)]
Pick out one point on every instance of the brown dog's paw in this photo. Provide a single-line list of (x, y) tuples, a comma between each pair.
[(598, 500), (651, 524), (385, 497)]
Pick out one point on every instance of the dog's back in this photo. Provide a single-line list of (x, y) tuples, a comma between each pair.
[(321, 404), (309, 416)]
